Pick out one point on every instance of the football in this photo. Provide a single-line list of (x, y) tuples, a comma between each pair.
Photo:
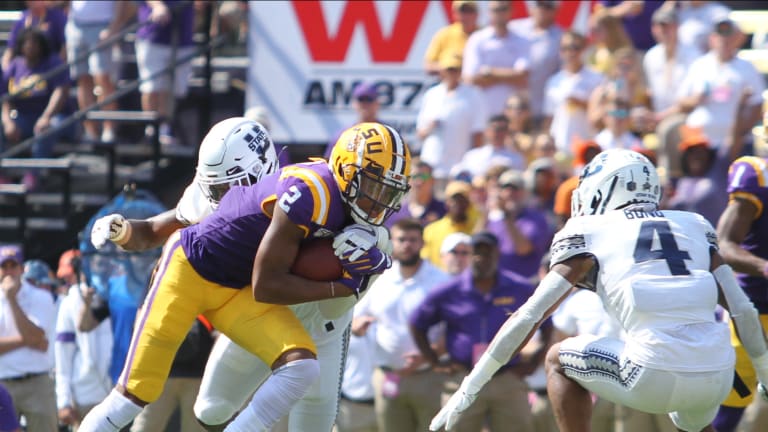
[(316, 261)]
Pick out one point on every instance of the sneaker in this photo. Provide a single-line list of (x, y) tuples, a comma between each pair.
[(108, 136)]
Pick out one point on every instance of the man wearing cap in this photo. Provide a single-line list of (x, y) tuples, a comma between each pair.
[(696, 19), (450, 120), (455, 252), (523, 231), (451, 39), (460, 216), (406, 391), (26, 329), (665, 66), (496, 59), (473, 306), (365, 101), (37, 273), (722, 92)]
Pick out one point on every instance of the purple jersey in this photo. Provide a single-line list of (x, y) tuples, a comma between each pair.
[(532, 223), (222, 247), (747, 179), (19, 76), (471, 318), (183, 20)]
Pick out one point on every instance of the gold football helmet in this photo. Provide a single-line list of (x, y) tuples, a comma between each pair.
[(371, 164)]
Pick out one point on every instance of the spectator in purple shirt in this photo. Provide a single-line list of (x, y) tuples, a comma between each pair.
[(164, 23), (473, 306), (524, 233), (8, 417), (35, 110), (39, 14)]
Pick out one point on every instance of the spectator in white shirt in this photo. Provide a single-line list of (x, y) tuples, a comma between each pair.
[(722, 92), (665, 66), (407, 390), (696, 20), (567, 94), (82, 360), (543, 34), (496, 59), (666, 63), (450, 121), (26, 329), (494, 152)]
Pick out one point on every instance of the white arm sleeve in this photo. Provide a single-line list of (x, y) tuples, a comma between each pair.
[(516, 329), (745, 317)]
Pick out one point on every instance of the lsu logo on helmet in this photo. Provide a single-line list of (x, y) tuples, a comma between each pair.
[(371, 165)]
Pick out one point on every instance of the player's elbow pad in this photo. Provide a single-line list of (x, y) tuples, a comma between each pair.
[(742, 312)]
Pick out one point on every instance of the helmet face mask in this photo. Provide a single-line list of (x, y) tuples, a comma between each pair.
[(235, 152), (371, 163), (374, 199), (614, 179)]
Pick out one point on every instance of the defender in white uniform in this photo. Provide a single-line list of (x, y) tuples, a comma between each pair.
[(660, 275), (238, 151)]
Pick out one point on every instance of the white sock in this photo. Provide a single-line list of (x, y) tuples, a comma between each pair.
[(112, 414), (276, 396)]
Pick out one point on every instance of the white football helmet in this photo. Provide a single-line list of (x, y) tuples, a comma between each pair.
[(236, 151), (614, 179)]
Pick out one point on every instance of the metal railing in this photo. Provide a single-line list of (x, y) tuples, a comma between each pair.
[(119, 93)]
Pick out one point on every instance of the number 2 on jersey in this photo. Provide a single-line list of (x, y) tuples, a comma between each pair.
[(289, 197), (669, 251)]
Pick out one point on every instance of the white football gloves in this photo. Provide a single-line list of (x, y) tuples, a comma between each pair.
[(457, 404), (354, 241), (114, 228), (358, 247)]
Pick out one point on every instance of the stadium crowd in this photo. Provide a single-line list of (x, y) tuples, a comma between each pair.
[(519, 110)]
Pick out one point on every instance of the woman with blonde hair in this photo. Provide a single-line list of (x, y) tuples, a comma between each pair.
[(608, 36)]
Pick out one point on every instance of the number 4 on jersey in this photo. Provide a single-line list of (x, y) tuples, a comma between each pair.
[(669, 251)]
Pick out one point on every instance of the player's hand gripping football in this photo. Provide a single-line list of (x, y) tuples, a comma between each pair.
[(356, 247), (457, 404), (114, 228)]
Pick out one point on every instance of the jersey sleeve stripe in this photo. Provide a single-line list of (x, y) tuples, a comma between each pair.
[(320, 193), (751, 198)]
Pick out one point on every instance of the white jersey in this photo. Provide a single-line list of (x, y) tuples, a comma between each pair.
[(652, 275), (321, 325)]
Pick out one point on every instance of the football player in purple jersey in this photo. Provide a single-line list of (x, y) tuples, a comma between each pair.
[(250, 241)]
